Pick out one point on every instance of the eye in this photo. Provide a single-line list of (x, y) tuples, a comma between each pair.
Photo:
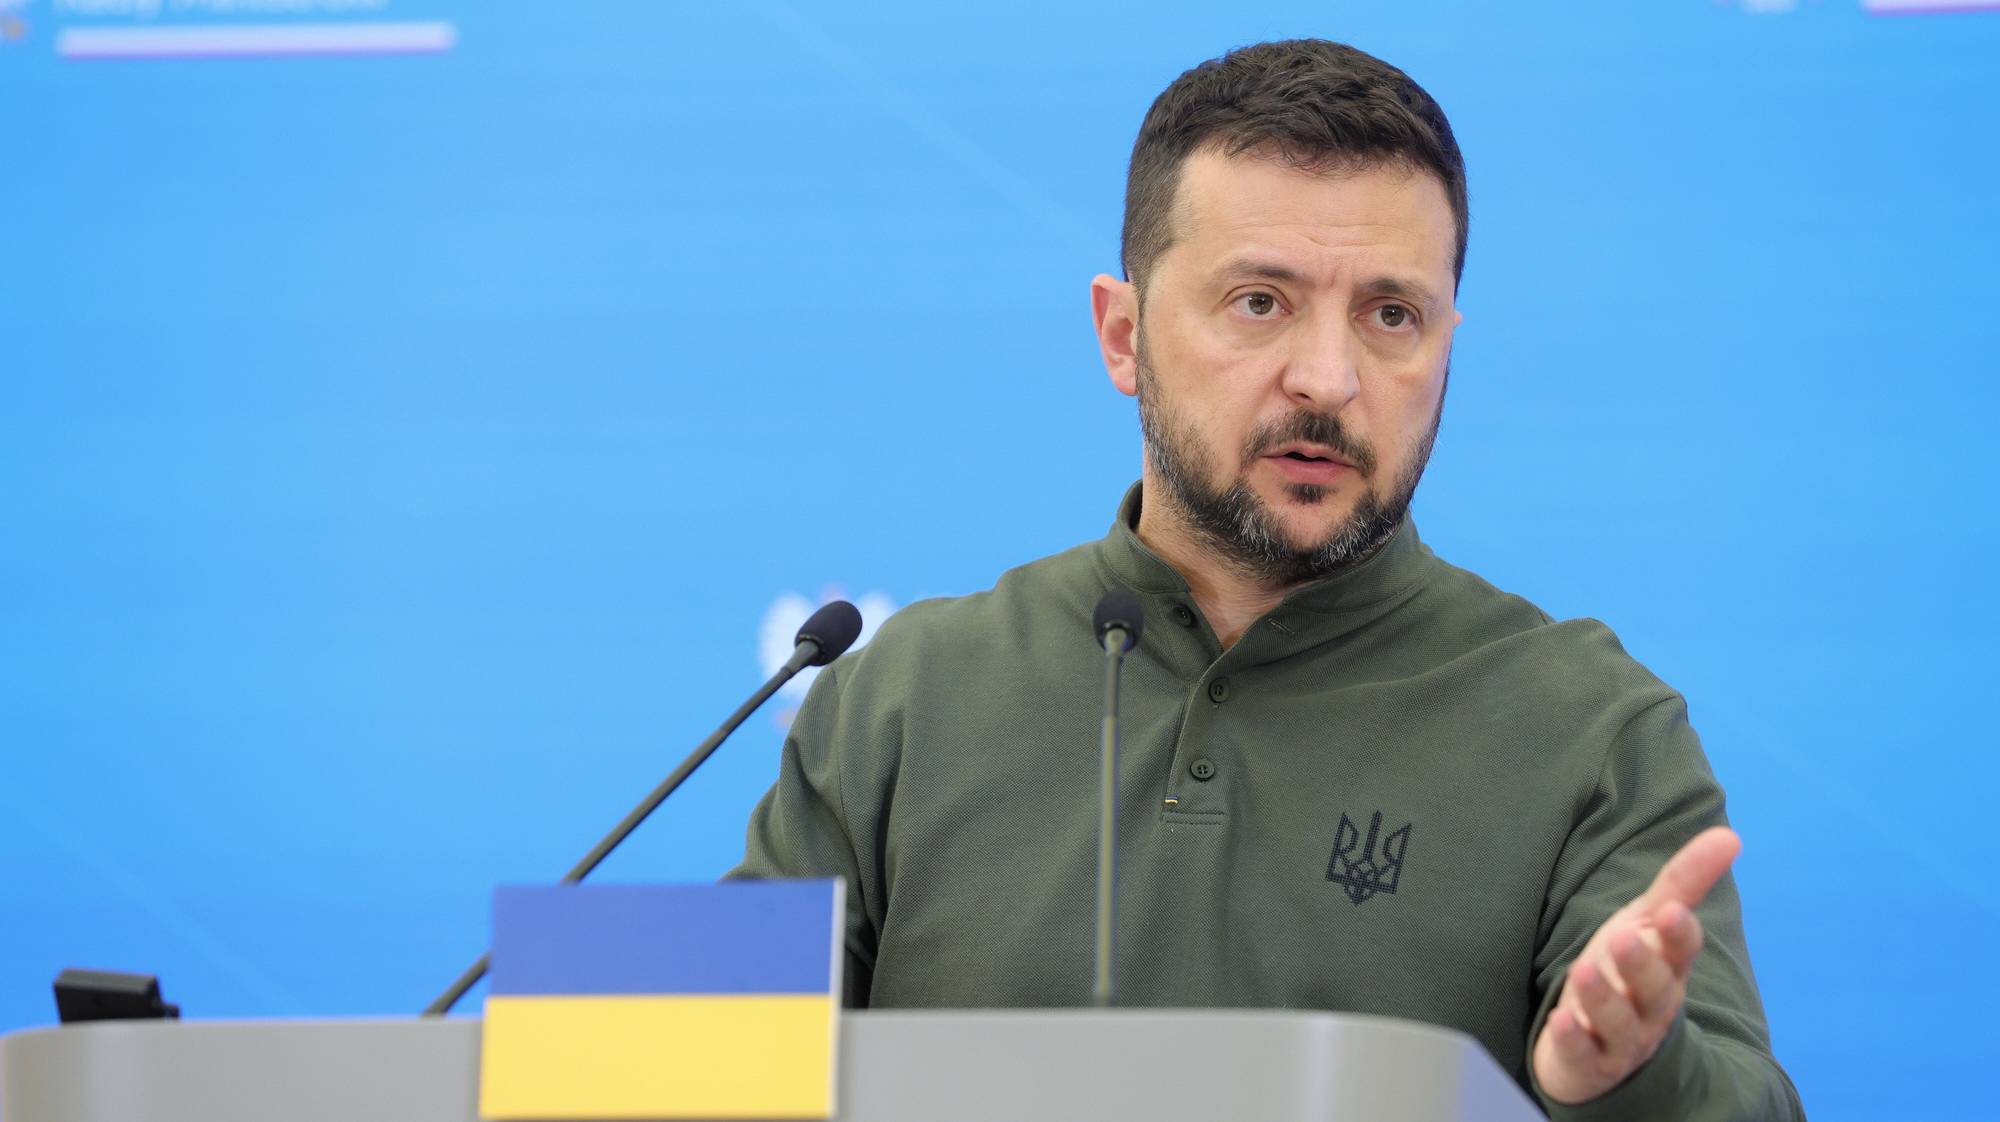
[(1395, 317), (1259, 305)]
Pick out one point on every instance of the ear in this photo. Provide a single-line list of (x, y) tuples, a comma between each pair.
[(1114, 308)]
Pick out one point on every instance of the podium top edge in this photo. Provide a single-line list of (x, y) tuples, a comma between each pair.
[(1013, 1017)]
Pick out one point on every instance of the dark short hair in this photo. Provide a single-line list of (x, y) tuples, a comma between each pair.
[(1318, 105)]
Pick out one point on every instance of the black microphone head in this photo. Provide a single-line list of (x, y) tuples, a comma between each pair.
[(832, 629), (1119, 607)]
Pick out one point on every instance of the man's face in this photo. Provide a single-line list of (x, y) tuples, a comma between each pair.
[(1290, 358)]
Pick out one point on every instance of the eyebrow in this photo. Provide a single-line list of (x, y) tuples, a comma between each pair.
[(1396, 287), (1263, 270), (1400, 289)]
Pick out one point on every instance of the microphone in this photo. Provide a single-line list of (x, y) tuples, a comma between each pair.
[(1118, 612), (1118, 619), (826, 636), (831, 630)]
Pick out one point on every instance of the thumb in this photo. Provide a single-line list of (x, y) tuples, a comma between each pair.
[(1689, 874)]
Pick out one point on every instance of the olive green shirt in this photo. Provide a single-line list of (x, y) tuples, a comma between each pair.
[(1402, 791)]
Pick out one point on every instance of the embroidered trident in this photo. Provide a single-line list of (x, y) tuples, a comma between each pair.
[(1364, 874)]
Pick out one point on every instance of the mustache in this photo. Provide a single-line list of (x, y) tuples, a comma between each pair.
[(1313, 428)]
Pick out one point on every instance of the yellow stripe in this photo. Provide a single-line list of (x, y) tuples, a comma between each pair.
[(649, 1056)]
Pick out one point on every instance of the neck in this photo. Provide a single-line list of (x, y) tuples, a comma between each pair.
[(1230, 600)]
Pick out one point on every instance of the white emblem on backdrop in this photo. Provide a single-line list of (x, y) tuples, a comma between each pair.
[(782, 621)]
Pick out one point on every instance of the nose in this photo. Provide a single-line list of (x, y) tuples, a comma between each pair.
[(1323, 372)]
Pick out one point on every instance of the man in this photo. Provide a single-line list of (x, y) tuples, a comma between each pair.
[(1354, 777)]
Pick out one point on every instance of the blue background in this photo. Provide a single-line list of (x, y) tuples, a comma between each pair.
[(398, 456)]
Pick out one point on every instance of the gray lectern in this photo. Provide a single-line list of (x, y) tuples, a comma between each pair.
[(985, 1066)]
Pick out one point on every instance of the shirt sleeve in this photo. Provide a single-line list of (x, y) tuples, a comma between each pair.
[(1715, 1065), (800, 827)]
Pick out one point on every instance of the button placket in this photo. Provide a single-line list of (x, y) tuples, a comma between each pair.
[(1190, 794), (1197, 790)]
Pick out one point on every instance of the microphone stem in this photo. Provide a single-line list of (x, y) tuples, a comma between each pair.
[(801, 655), (1107, 833)]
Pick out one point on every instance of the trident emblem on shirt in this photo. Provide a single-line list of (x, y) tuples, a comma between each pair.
[(1369, 871)]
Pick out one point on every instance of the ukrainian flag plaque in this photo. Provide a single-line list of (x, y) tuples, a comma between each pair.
[(663, 1001)]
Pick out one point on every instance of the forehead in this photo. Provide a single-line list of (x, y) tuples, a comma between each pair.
[(1318, 222)]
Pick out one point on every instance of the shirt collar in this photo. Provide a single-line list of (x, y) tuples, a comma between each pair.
[(1369, 589)]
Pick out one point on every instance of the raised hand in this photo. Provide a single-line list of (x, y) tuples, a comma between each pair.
[(1624, 991)]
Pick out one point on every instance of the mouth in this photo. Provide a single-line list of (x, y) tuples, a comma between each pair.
[(1308, 454), (1314, 464)]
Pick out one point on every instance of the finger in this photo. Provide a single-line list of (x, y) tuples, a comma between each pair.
[(1575, 1049), (1678, 935), (1611, 1017), (1649, 978), (1689, 874)]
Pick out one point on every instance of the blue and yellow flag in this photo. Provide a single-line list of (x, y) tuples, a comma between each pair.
[(663, 1001)]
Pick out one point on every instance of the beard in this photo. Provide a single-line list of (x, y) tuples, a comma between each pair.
[(1238, 526)]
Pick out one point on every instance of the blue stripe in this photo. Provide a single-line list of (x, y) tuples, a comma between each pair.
[(770, 937)]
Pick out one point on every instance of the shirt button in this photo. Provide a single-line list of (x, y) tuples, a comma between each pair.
[(1183, 615), (1202, 769), (1218, 690)]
